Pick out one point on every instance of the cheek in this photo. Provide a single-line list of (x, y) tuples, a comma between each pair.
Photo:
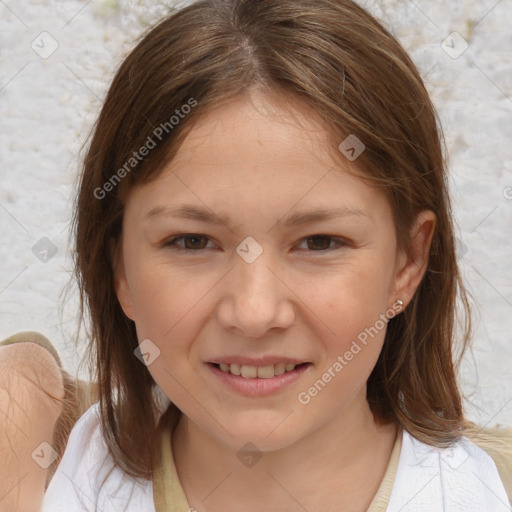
[(167, 306), (163, 301), (352, 333), (171, 306), (356, 335), (352, 306), (353, 297)]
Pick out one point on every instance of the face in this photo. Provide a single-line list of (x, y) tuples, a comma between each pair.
[(230, 264)]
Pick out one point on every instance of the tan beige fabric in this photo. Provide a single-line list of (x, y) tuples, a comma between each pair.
[(168, 494), (381, 499)]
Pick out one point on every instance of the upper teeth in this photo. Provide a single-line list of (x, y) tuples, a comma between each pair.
[(262, 372)]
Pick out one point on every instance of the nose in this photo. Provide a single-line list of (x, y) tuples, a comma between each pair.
[(255, 299)]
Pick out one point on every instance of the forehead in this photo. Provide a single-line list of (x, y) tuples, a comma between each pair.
[(252, 153), (261, 127)]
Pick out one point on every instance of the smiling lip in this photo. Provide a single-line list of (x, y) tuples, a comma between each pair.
[(257, 387), (255, 361)]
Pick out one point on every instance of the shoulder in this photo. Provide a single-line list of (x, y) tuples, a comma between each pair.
[(460, 477), (87, 478)]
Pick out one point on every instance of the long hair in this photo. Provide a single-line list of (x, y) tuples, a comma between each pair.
[(350, 70)]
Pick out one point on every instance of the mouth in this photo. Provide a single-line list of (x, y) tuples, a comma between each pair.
[(267, 371), (257, 378)]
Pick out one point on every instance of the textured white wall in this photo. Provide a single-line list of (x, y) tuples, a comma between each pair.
[(47, 106)]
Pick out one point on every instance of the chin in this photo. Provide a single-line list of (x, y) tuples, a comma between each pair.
[(269, 435)]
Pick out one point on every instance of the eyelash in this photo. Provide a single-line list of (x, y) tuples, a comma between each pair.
[(171, 243)]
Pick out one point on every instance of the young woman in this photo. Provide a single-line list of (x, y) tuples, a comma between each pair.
[(264, 243)]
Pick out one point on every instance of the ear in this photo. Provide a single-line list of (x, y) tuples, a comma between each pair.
[(121, 285), (411, 267)]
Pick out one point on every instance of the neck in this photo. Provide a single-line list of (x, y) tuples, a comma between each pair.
[(338, 467)]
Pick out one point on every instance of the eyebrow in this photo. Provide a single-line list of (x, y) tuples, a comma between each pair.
[(192, 212)]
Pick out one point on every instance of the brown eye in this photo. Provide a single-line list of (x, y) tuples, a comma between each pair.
[(192, 242), (322, 243), (195, 241), (319, 242)]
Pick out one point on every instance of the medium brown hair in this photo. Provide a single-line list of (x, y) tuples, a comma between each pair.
[(342, 63)]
